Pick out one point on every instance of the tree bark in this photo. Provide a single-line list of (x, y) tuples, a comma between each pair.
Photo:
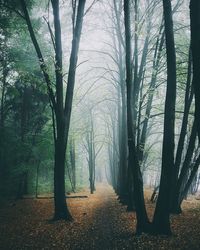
[(73, 163), (195, 47), (62, 112), (190, 180), (133, 163), (156, 61), (180, 146), (161, 221), (179, 187)]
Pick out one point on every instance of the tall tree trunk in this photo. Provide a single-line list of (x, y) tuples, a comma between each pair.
[(122, 121), (187, 104), (2, 121), (142, 219), (195, 47), (62, 112), (161, 219), (190, 180), (156, 61), (61, 209), (37, 178), (73, 163), (180, 146), (123, 147), (115, 163), (135, 75), (179, 187), (91, 156)]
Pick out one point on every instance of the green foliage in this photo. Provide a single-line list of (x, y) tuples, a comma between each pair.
[(27, 144)]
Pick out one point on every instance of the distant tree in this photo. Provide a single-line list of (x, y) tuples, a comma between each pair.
[(91, 147), (91, 159), (73, 163), (122, 187)]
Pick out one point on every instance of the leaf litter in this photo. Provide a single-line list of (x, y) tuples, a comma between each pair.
[(100, 223)]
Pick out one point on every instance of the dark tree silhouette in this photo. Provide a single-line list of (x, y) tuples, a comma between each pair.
[(133, 163), (195, 47), (161, 220), (61, 108)]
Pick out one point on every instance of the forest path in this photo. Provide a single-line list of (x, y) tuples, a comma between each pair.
[(108, 220), (100, 223)]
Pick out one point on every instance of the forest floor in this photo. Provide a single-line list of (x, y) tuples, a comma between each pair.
[(100, 222)]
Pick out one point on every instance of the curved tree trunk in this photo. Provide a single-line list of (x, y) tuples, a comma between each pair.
[(161, 220), (133, 163), (179, 187)]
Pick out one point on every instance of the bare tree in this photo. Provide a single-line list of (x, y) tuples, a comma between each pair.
[(161, 220), (133, 163), (195, 47), (61, 109)]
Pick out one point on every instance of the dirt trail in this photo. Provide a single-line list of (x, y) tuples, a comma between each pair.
[(108, 224), (100, 223), (97, 223)]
